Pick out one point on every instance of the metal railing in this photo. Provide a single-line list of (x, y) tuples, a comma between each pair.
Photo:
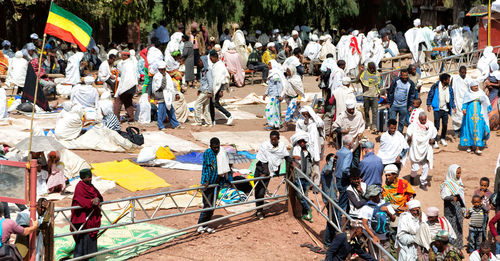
[(331, 219), (436, 67), (135, 206)]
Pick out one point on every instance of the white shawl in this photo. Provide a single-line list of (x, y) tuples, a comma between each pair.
[(391, 146), (420, 149), (272, 155), (154, 57), (483, 64), (220, 75), (73, 69), (327, 48), (312, 50), (342, 94), (315, 130), (460, 89), (3, 104), (128, 77), (16, 73), (426, 233), (293, 84), (408, 226)]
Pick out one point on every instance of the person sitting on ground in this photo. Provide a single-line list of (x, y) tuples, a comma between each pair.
[(255, 62), (341, 247), (393, 145), (16, 74), (441, 249), (397, 191), (355, 193), (109, 119), (105, 74), (270, 157), (373, 224), (302, 156), (56, 181), (88, 200), (9, 227), (85, 94), (371, 166), (429, 229), (69, 126)]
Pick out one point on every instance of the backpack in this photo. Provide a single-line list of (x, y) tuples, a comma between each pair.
[(380, 220), (8, 252), (134, 135)]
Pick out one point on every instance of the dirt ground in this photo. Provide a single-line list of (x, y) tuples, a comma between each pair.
[(278, 236)]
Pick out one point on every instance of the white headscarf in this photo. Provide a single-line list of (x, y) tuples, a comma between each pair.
[(294, 86), (481, 96), (416, 22), (106, 107), (457, 184), (73, 69), (300, 135), (16, 73)]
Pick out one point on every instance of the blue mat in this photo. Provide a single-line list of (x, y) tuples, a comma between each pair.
[(192, 157), (247, 154)]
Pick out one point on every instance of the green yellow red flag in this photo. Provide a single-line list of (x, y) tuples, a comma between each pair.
[(68, 27)]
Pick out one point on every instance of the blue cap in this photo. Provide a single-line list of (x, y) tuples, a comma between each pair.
[(5, 43)]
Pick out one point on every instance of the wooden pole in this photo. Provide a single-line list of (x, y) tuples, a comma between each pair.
[(489, 22), (32, 205)]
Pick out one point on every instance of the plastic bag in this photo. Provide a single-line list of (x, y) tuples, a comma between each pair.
[(147, 154), (165, 153), (143, 110)]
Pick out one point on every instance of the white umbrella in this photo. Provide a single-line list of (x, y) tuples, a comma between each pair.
[(39, 144)]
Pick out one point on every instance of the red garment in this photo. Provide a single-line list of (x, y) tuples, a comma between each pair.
[(83, 197), (493, 222), (34, 63), (354, 45), (144, 54), (402, 186)]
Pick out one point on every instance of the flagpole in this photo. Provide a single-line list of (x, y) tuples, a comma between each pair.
[(489, 22)]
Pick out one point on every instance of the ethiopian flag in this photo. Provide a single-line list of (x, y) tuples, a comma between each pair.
[(68, 27)]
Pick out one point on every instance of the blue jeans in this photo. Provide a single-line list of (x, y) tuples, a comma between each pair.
[(305, 187), (329, 230), (163, 112), (390, 52), (476, 237), (402, 111), (342, 185)]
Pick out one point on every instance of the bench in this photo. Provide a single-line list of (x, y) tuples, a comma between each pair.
[(250, 74)]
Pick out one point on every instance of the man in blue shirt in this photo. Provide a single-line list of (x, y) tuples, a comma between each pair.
[(342, 168), (371, 166), (400, 97)]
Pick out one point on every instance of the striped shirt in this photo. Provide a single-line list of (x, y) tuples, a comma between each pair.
[(477, 217), (111, 122)]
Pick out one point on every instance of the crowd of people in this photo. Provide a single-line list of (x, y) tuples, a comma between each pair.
[(388, 211)]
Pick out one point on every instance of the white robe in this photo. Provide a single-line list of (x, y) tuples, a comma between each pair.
[(312, 50), (104, 72), (240, 43), (405, 238), (391, 147), (460, 88), (426, 233), (315, 130), (327, 48), (175, 43), (342, 94), (483, 64), (154, 57), (70, 125), (85, 95), (128, 78), (220, 76), (457, 41), (420, 149), (354, 122), (3, 104), (16, 73), (336, 76), (272, 155), (73, 69), (474, 256), (169, 91)]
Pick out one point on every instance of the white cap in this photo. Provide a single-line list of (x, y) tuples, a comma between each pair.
[(271, 44), (258, 32), (473, 83), (258, 45), (294, 32), (391, 168), (346, 80), (88, 80), (355, 32), (416, 22), (350, 104), (314, 38), (413, 204), (162, 65), (34, 36), (30, 46), (322, 38)]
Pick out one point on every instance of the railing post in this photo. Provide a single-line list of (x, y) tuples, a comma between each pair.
[(48, 237), (292, 197), (32, 206)]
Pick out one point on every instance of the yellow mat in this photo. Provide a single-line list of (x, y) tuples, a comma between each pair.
[(128, 175)]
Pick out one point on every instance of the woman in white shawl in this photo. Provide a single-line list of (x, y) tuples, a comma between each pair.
[(275, 82), (453, 195), (475, 125), (73, 69), (16, 74), (483, 64), (408, 225), (70, 125), (126, 86), (312, 124), (292, 92), (327, 47)]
